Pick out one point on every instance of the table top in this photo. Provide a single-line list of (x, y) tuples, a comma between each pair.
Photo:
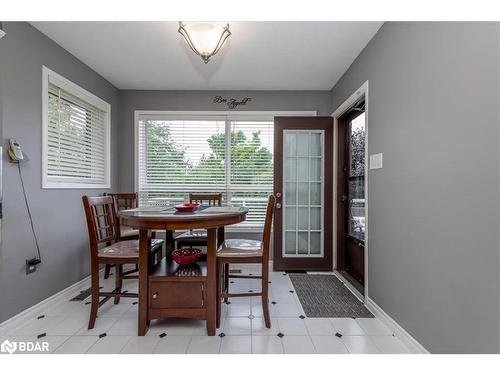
[(169, 218)]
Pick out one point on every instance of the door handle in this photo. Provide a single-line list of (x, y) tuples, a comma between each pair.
[(278, 195), (278, 205), (155, 296)]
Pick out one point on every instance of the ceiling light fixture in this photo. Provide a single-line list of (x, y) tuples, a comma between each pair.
[(204, 38)]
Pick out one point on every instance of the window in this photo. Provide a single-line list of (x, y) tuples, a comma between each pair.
[(76, 135), (227, 153)]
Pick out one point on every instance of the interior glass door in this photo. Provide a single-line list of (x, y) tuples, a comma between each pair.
[(303, 193)]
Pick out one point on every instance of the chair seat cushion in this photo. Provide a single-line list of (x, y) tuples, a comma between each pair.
[(126, 231), (195, 235), (126, 249), (240, 248)]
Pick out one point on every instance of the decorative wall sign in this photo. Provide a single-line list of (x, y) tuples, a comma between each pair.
[(231, 103)]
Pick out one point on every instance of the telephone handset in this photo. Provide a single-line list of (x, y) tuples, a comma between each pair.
[(15, 152)]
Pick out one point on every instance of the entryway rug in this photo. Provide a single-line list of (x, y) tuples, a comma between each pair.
[(325, 296)]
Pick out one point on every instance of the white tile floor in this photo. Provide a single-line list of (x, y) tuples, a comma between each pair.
[(242, 329)]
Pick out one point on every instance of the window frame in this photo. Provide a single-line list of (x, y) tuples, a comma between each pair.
[(226, 116), (49, 75)]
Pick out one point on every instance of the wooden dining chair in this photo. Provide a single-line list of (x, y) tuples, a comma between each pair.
[(197, 237), (107, 248), (246, 251), (123, 201)]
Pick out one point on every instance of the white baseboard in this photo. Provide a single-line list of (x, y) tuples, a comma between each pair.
[(64, 295), (399, 331)]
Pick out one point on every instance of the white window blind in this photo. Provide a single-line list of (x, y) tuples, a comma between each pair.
[(76, 137), (215, 154)]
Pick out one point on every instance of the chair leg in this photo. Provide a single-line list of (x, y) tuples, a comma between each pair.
[(94, 276), (226, 279), (107, 270), (118, 280), (219, 286), (265, 293)]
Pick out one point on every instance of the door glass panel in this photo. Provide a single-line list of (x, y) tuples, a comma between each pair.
[(290, 169), (291, 219), (315, 219), (315, 169), (315, 193), (356, 179), (315, 144), (302, 242), (303, 218), (357, 208), (315, 242), (303, 169), (290, 144), (290, 243), (290, 193), (303, 144), (303, 193), (357, 146)]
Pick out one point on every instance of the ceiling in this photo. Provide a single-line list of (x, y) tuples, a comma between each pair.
[(257, 56)]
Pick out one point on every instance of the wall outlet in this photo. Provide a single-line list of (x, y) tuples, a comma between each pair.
[(376, 161)]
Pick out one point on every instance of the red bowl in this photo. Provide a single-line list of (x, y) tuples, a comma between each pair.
[(187, 207), (186, 257)]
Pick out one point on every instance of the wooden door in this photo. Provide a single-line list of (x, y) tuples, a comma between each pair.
[(351, 193), (303, 185)]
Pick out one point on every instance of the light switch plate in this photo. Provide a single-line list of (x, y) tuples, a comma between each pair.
[(376, 161)]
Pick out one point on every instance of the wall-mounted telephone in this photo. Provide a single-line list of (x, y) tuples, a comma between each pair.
[(15, 152)]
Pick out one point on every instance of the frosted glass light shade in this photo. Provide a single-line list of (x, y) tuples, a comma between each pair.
[(204, 38)]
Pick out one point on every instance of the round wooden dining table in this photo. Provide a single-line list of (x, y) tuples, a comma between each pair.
[(213, 219)]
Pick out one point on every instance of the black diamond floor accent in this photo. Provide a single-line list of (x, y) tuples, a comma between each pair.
[(227, 302), (87, 303), (354, 317), (231, 282), (291, 291), (134, 303), (40, 317), (162, 335), (338, 335), (222, 334), (102, 335), (41, 335), (250, 291), (274, 302), (280, 335), (110, 274), (302, 317), (269, 282), (284, 274), (249, 274)]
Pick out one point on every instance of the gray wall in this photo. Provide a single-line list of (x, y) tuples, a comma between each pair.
[(132, 100), (433, 208), (58, 214)]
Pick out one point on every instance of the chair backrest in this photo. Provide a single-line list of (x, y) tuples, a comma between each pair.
[(211, 199), (102, 222), (266, 236), (125, 201)]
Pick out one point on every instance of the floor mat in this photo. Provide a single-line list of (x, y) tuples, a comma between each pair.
[(325, 296)]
